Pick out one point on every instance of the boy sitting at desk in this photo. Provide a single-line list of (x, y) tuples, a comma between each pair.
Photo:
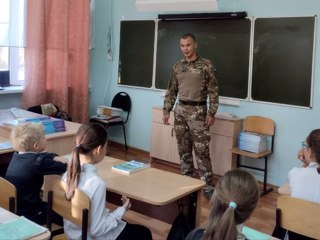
[(27, 168)]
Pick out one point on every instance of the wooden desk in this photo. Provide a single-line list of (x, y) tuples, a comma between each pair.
[(153, 192), (61, 142), (5, 157), (2, 140), (5, 215)]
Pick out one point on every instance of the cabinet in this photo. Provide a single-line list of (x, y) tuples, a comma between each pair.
[(224, 135), (163, 140)]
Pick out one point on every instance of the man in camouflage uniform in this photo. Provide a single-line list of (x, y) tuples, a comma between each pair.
[(194, 80)]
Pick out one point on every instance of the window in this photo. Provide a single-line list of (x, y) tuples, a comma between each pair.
[(12, 39)]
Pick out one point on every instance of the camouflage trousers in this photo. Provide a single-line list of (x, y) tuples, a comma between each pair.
[(191, 133)]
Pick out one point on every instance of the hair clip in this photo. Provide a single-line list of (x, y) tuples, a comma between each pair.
[(232, 205)]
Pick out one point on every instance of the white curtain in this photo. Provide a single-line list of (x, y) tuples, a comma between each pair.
[(12, 23)]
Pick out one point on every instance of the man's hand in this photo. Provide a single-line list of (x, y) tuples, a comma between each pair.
[(165, 118), (210, 120)]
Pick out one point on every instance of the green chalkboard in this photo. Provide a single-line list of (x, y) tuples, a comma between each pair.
[(282, 60), (225, 42), (136, 53)]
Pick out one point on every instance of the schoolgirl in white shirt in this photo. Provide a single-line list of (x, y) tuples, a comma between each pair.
[(90, 149)]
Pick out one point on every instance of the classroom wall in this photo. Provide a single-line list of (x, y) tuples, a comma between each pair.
[(292, 123)]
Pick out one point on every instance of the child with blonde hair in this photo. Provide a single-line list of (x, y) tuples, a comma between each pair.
[(234, 199), (27, 168)]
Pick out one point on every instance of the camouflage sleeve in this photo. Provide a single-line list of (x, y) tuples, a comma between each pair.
[(212, 91), (171, 94)]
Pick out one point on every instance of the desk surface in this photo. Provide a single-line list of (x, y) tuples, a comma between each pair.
[(59, 142), (71, 127), (150, 185), (5, 215), (4, 140)]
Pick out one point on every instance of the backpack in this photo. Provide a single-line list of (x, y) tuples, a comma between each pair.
[(180, 227)]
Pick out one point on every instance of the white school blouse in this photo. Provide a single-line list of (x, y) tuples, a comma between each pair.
[(305, 182), (103, 223)]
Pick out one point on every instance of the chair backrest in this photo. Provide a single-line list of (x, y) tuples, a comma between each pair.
[(76, 210), (48, 108), (8, 195), (260, 125), (299, 216), (51, 110), (122, 100)]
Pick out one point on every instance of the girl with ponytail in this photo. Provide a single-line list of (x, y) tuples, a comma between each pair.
[(235, 197), (90, 149)]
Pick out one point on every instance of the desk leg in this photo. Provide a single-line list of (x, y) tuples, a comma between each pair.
[(194, 209)]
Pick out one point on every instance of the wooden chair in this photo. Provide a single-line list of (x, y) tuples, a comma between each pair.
[(8, 195), (259, 125), (298, 216), (76, 210)]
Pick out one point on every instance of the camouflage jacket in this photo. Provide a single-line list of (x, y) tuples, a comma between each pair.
[(193, 81)]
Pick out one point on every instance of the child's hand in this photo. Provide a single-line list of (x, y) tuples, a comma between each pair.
[(301, 157), (60, 159), (126, 202)]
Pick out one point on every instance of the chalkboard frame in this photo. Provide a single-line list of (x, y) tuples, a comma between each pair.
[(252, 81)]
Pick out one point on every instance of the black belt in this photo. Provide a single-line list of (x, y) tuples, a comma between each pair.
[(193, 103)]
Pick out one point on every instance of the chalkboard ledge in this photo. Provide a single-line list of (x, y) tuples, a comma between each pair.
[(228, 101)]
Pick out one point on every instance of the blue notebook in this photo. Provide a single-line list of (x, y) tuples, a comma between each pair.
[(130, 167), (252, 234), (20, 228)]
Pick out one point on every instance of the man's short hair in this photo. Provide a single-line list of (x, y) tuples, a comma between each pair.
[(189, 35), (25, 135)]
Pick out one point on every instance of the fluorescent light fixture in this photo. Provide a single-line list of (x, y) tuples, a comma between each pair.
[(176, 5)]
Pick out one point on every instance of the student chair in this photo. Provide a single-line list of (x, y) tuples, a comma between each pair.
[(77, 210), (298, 216), (51, 110), (258, 125), (8, 195), (123, 101)]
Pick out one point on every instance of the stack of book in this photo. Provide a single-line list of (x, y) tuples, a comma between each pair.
[(107, 119), (252, 142), (108, 111), (130, 167), (108, 114), (51, 125)]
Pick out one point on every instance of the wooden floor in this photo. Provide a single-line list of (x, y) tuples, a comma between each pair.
[(263, 218)]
